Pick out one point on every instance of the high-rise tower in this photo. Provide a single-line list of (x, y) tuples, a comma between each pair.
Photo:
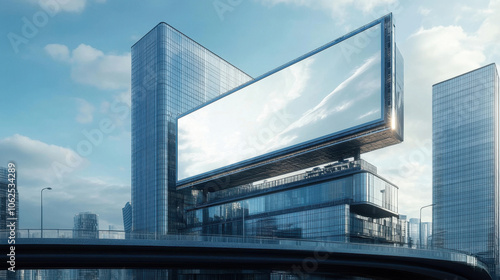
[(465, 129), (171, 74)]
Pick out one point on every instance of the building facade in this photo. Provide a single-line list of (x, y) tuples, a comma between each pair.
[(171, 74), (426, 235), (345, 201), (86, 225), (465, 129), (413, 230), (127, 219), (403, 220)]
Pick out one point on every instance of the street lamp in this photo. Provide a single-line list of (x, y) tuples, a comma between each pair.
[(420, 224), (41, 210)]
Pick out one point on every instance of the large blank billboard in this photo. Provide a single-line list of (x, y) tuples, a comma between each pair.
[(327, 97)]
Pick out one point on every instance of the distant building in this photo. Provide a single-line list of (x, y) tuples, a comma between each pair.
[(466, 164), (403, 219), (346, 201), (86, 225), (414, 233), (426, 235), (127, 219)]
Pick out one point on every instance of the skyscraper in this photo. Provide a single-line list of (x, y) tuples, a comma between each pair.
[(171, 74), (425, 235), (127, 219), (465, 129), (86, 225), (413, 230)]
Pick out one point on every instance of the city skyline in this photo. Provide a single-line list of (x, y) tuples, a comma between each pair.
[(68, 86)]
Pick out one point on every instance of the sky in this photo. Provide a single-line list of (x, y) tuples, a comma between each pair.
[(65, 83)]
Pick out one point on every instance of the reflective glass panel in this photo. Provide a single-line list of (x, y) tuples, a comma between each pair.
[(325, 94)]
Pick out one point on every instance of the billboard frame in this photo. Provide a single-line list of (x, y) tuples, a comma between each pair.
[(241, 172)]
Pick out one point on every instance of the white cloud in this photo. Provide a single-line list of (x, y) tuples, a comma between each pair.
[(34, 162), (91, 66), (294, 83), (443, 52), (86, 54), (424, 11), (336, 8), (85, 111), (58, 52), (489, 32), (329, 105), (57, 6), (38, 157), (431, 56)]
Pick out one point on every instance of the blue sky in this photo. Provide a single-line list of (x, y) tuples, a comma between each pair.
[(65, 79)]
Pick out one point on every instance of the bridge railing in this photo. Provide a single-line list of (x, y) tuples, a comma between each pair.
[(333, 246)]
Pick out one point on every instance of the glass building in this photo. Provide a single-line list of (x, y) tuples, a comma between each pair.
[(345, 201), (426, 234), (413, 230), (127, 219), (171, 74), (465, 129), (86, 225)]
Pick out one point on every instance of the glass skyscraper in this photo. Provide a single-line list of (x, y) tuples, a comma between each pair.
[(127, 219), (86, 225), (171, 74), (466, 163)]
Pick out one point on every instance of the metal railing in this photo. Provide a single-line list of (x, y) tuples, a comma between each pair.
[(335, 168), (330, 246)]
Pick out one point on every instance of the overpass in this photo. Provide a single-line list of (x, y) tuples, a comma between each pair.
[(300, 257)]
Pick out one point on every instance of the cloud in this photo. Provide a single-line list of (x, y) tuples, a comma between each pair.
[(443, 52), (431, 55), (294, 83), (34, 161), (338, 8), (37, 157), (335, 103), (93, 67), (489, 31), (57, 6), (85, 111), (57, 52), (424, 11)]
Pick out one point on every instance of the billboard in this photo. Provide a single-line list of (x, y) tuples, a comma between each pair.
[(334, 102)]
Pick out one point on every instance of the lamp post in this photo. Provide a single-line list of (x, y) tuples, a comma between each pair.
[(41, 210), (420, 224)]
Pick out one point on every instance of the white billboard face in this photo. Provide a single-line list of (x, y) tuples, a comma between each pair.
[(332, 92)]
